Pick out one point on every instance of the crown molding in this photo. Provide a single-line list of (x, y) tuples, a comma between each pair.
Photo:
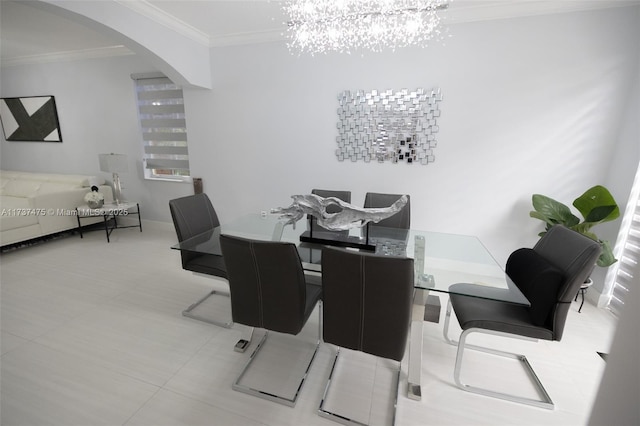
[(459, 12), (71, 55), (469, 11), (248, 38), (144, 8)]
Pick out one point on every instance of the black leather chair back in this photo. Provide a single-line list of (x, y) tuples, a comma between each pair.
[(192, 215), (267, 283), (366, 301), (575, 255), (401, 220)]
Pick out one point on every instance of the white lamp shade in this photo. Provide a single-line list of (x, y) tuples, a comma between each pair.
[(113, 163)]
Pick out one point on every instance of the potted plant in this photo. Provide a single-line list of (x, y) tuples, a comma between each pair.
[(596, 205)]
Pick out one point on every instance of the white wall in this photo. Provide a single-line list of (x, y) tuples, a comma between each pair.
[(530, 105), (617, 399), (97, 112), (625, 162)]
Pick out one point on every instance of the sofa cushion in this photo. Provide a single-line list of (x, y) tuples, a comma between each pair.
[(76, 180), (21, 188), (17, 212), (51, 187)]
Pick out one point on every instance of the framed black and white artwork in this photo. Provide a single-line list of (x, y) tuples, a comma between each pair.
[(30, 119)]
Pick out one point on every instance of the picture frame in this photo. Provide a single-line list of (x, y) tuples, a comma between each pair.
[(30, 119)]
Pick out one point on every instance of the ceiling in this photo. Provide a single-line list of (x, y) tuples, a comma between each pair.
[(30, 33)]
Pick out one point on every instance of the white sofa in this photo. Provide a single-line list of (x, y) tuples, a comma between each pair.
[(37, 204)]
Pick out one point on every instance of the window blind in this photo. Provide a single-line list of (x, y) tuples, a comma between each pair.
[(163, 124), (624, 274)]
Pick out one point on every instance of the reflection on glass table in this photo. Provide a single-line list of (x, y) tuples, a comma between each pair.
[(440, 260)]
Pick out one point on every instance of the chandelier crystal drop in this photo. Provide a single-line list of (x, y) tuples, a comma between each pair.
[(321, 26)]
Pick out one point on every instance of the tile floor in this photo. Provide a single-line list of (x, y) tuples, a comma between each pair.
[(92, 334)]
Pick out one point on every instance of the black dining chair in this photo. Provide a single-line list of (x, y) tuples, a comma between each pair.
[(193, 215), (549, 275), (366, 307), (269, 290), (401, 220)]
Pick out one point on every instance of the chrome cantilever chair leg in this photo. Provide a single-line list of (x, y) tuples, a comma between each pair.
[(323, 412), (189, 312), (290, 402), (545, 400), (445, 329)]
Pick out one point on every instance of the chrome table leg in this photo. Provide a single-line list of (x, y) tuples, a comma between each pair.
[(415, 344)]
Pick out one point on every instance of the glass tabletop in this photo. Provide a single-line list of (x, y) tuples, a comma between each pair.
[(448, 263)]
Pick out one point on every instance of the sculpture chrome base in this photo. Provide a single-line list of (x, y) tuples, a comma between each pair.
[(323, 412), (291, 402), (545, 400)]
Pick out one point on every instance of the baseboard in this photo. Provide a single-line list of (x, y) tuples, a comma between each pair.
[(148, 224), (598, 299), (157, 224)]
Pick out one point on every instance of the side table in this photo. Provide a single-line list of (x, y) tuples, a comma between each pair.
[(583, 289), (110, 211)]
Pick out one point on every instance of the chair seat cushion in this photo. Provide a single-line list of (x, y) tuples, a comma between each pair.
[(207, 264), (474, 312), (538, 280)]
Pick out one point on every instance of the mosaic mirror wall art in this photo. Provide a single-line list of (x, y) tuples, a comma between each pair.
[(399, 127)]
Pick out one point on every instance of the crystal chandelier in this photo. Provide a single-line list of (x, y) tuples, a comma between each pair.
[(321, 26)]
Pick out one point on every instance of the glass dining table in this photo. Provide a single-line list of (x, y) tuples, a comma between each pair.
[(440, 260)]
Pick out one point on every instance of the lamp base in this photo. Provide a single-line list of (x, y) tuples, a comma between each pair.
[(117, 190)]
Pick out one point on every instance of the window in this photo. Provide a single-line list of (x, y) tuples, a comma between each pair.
[(620, 276), (164, 129)]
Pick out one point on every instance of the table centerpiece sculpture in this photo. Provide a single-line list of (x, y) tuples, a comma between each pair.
[(348, 217)]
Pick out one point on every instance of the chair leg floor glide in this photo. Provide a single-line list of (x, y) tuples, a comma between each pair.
[(244, 342), (190, 314), (323, 412), (290, 402)]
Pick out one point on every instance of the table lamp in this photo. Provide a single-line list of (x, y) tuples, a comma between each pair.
[(114, 163)]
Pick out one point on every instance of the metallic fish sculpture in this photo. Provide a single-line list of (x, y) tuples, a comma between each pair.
[(348, 217)]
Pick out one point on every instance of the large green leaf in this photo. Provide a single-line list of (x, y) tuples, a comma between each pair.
[(538, 215), (552, 211), (602, 214), (606, 258), (583, 228), (597, 205)]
